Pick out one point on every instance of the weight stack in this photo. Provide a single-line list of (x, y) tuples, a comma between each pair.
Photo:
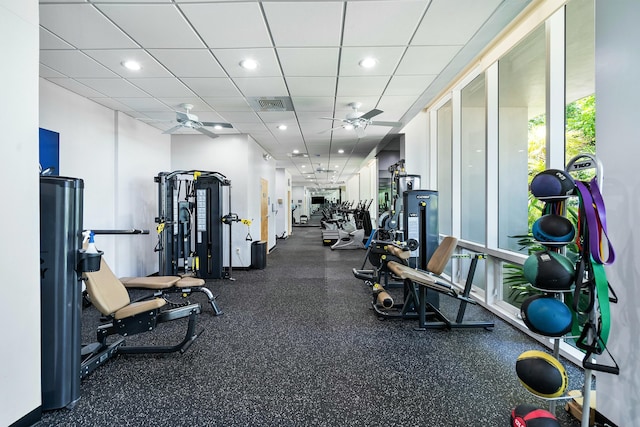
[(61, 294)]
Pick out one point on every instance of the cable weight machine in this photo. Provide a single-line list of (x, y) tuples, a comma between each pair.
[(189, 223)]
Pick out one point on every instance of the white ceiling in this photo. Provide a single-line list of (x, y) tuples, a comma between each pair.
[(309, 51)]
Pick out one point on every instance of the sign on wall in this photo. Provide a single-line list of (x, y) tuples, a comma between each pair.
[(49, 152)]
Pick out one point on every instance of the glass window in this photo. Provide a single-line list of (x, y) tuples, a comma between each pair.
[(445, 171), (521, 135), (473, 169), (580, 80)]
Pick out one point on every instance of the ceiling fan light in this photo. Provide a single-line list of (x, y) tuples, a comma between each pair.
[(348, 127), (132, 65), (368, 62), (249, 64)]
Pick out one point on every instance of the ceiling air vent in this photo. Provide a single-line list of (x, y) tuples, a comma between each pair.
[(273, 103)]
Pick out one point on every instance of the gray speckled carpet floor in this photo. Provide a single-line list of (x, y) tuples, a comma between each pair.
[(298, 345)]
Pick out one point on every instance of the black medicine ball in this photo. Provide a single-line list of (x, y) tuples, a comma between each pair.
[(552, 183)]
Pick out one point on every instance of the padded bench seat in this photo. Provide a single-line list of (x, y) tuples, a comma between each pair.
[(419, 277), (161, 282)]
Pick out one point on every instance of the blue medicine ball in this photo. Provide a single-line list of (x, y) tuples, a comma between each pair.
[(545, 315), (553, 229), (552, 183), (549, 271)]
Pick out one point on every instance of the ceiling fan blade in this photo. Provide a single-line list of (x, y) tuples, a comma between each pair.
[(332, 118), (206, 132), (173, 129), (215, 124), (370, 114), (392, 124), (360, 132)]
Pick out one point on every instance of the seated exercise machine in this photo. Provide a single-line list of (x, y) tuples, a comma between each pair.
[(126, 318), (418, 282), (160, 286), (64, 360)]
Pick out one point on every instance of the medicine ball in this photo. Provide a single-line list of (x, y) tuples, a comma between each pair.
[(552, 183), (547, 316), (553, 228), (549, 271), (541, 374), (531, 416)]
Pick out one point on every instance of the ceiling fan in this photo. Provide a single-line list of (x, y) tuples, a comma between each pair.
[(190, 121), (359, 121)]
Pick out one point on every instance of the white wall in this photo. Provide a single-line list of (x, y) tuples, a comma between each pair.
[(617, 92), (20, 395), (299, 198), (416, 148), (238, 158), (117, 157), (283, 214), (142, 152)]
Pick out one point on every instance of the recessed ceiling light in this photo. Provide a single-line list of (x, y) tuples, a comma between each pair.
[(249, 64), (282, 127), (368, 62), (132, 65), (296, 151), (341, 151), (304, 166), (217, 127)]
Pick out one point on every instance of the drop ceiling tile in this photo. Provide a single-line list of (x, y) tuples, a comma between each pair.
[(73, 63), (228, 103), (397, 105), (230, 60), (169, 29), (76, 87), (241, 117), (114, 105), (206, 87), (409, 85), (114, 88), (49, 40), (426, 59), (163, 87), (261, 86), (137, 1), (229, 25), (249, 127), (209, 116), (306, 118), (311, 86), (361, 85), (434, 30), (301, 24), (387, 60), (83, 26), (382, 23), (189, 62), (286, 117), (47, 72), (313, 103), (113, 59), (198, 104), (309, 61), (366, 103), (143, 104)]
